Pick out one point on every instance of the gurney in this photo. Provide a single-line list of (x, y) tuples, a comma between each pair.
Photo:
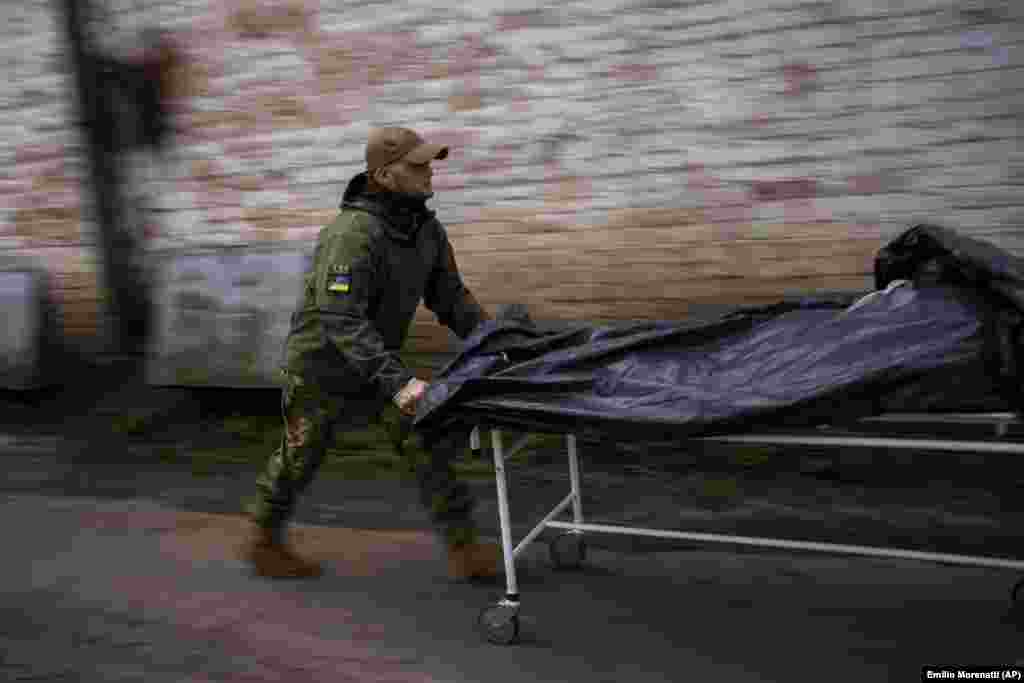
[(937, 341), (499, 623)]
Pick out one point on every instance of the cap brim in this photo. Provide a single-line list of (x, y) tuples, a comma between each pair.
[(427, 152)]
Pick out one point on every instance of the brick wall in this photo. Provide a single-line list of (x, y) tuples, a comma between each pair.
[(611, 159), (42, 216)]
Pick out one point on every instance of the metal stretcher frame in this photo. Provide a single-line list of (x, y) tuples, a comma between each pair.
[(500, 623)]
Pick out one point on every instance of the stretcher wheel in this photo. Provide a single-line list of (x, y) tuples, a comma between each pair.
[(1017, 594), (499, 624), (568, 550)]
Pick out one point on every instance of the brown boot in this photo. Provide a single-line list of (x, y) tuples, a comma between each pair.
[(475, 561), (272, 558)]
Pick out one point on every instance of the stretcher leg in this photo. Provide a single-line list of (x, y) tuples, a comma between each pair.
[(500, 622), (512, 592), (574, 476), (568, 550)]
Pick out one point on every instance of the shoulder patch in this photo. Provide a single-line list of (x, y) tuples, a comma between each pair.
[(339, 279)]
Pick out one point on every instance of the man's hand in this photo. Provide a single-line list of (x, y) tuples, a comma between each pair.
[(409, 396)]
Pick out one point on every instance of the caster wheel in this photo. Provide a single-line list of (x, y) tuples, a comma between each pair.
[(1017, 594), (499, 624), (568, 551)]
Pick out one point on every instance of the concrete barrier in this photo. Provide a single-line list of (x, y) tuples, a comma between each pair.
[(222, 315), (27, 337)]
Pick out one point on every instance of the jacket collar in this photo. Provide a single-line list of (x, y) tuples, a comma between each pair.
[(401, 216)]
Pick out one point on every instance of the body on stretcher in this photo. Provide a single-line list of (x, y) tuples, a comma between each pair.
[(975, 433), (943, 330)]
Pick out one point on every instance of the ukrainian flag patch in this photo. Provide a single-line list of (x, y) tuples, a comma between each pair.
[(339, 280)]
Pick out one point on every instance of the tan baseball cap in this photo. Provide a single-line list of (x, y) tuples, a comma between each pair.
[(388, 145)]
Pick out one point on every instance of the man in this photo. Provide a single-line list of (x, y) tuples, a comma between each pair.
[(383, 253)]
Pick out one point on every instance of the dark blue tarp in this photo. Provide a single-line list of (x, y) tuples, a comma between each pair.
[(946, 307)]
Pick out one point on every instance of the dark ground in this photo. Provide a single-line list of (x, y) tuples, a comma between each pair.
[(107, 417), (126, 510)]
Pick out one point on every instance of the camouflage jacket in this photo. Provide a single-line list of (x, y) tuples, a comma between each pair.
[(371, 268)]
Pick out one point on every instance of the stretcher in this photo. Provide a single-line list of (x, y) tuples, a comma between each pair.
[(992, 433), (941, 333)]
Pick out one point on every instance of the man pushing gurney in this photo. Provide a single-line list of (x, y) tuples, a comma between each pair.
[(373, 264)]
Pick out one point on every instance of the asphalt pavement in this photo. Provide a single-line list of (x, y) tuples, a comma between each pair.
[(127, 570)]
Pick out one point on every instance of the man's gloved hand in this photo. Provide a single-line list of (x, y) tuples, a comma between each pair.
[(409, 396)]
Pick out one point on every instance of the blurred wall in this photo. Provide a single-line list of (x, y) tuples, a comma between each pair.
[(44, 223), (611, 158)]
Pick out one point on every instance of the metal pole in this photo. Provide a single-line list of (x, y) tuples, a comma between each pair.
[(544, 523), (916, 444), (123, 282), (574, 476), (512, 593), (867, 551)]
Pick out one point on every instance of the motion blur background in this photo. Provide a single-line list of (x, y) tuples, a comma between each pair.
[(167, 164)]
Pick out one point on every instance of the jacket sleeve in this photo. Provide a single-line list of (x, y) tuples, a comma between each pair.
[(346, 279), (448, 298)]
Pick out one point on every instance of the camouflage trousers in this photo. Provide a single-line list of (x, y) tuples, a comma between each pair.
[(313, 417)]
